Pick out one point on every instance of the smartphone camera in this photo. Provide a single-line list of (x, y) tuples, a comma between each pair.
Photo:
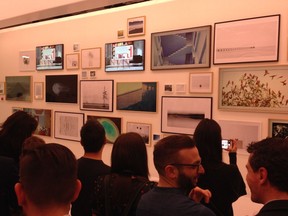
[(226, 143)]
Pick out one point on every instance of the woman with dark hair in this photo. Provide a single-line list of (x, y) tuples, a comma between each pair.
[(15, 130), (223, 180), (119, 193)]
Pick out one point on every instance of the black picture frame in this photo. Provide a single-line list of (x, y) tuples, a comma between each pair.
[(50, 57)]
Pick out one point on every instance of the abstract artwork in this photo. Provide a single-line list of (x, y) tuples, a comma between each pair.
[(18, 88)]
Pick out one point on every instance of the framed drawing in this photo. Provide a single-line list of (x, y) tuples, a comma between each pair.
[(182, 114), (200, 82), (258, 89), (96, 95), (38, 90), (180, 88), (67, 125), (137, 96), (44, 118), (136, 26), (278, 128), (62, 88), (18, 88), (112, 126), (72, 61), (143, 129), (247, 40), (180, 49), (91, 58), (27, 61), (50, 57), (2, 88)]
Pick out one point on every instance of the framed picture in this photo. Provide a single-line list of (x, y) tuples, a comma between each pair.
[(112, 126), (180, 88), (181, 49), (258, 89), (27, 61), (18, 88), (278, 128), (38, 90), (50, 57), (96, 95), (247, 40), (120, 34), (84, 74), (91, 58), (44, 118), (168, 88), (136, 26), (62, 88), (2, 88), (72, 61), (137, 96), (142, 129), (181, 115), (67, 125), (200, 82)]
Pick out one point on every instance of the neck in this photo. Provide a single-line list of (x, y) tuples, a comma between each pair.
[(93, 155), (276, 196), (166, 182), (51, 211)]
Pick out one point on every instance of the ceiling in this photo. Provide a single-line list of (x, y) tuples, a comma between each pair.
[(16, 13)]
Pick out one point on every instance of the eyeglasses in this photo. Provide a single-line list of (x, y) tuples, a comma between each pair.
[(196, 165)]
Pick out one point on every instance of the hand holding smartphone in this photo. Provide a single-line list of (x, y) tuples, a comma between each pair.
[(226, 143)]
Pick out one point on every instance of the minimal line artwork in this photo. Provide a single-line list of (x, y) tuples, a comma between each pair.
[(200, 82)]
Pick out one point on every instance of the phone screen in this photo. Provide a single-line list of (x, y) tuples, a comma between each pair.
[(225, 143)]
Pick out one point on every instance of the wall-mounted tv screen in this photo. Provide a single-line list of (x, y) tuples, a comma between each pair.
[(125, 56), (50, 57)]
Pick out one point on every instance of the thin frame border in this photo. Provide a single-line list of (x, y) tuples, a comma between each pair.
[(40, 88), (156, 47), (96, 61), (72, 56), (141, 124), (133, 19), (57, 134), (30, 99), (202, 91), (176, 108), (238, 47), (278, 121), (111, 95)]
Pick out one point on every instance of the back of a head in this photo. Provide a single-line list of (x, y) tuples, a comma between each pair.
[(92, 136), (271, 153), (48, 174), (129, 154), (16, 128), (166, 150), (208, 139)]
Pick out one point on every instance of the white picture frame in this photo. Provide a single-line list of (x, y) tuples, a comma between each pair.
[(201, 82), (143, 129)]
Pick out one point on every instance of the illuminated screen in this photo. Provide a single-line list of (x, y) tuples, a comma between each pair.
[(125, 56), (49, 57)]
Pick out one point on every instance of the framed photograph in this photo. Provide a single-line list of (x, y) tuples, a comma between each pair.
[(180, 88), (136, 26), (2, 88), (72, 61), (112, 126), (91, 58), (44, 118), (181, 115), (38, 90), (142, 129), (254, 89), (200, 82), (125, 56), (168, 88), (92, 74), (120, 34), (50, 57), (96, 95), (278, 128), (247, 40), (67, 125), (84, 74), (62, 88), (27, 60), (19, 88), (181, 49), (137, 96)]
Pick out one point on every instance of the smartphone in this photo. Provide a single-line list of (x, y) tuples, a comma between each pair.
[(226, 143)]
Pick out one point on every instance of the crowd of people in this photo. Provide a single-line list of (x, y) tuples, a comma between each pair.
[(46, 179)]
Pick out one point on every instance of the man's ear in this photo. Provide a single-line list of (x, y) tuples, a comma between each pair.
[(19, 193), (263, 175), (171, 171), (77, 190)]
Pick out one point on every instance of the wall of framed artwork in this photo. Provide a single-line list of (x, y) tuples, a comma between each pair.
[(96, 95), (182, 114), (91, 58), (67, 125), (143, 129)]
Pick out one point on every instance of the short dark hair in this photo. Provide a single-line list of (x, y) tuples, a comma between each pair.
[(92, 136), (48, 174), (16, 128), (166, 150), (129, 154), (271, 153), (208, 138)]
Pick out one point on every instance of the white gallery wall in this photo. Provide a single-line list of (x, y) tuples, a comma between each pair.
[(97, 28)]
